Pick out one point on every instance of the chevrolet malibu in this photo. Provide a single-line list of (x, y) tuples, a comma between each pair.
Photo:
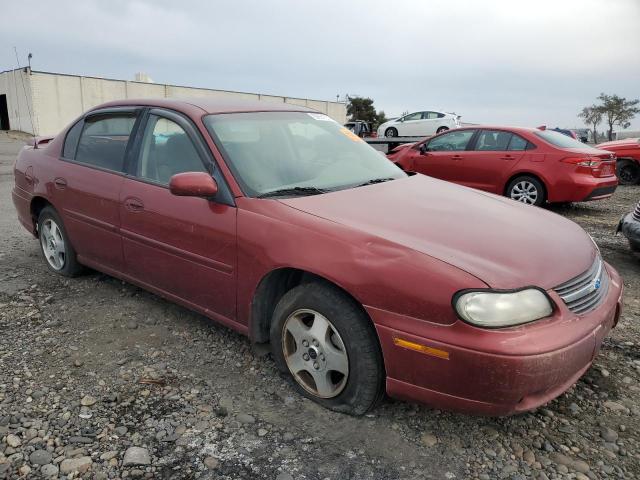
[(285, 226)]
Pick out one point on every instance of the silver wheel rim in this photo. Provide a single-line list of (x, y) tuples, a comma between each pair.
[(52, 243), (315, 353), (525, 192)]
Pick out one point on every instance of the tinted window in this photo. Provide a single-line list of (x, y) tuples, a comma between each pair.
[(517, 143), (452, 141), (493, 140), (104, 140), (166, 150), (71, 142)]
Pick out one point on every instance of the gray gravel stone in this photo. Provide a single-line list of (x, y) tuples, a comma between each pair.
[(136, 456), (40, 457)]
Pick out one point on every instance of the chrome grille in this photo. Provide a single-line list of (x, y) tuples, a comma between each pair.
[(636, 212), (584, 293)]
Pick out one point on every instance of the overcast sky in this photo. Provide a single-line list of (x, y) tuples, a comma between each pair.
[(492, 61)]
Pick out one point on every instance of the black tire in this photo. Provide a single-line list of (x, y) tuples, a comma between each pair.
[(364, 384), (628, 172), (69, 265), (442, 129), (391, 132), (516, 185)]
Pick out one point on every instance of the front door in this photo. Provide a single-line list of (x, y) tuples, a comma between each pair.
[(183, 246), (444, 156)]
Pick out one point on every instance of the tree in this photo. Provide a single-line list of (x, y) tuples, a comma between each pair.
[(592, 116), (360, 108), (617, 111)]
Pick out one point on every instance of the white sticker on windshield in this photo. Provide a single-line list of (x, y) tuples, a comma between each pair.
[(320, 116)]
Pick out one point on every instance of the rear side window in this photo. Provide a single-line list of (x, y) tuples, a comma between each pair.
[(431, 115), (71, 142), (104, 141), (518, 143), (493, 140)]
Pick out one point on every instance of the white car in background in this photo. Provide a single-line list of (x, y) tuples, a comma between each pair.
[(419, 124)]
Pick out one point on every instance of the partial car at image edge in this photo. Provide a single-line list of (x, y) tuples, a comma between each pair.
[(419, 124)]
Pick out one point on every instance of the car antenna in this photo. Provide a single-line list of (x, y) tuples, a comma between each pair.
[(24, 90)]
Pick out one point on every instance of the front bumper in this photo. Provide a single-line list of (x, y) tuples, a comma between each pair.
[(495, 372), (630, 228)]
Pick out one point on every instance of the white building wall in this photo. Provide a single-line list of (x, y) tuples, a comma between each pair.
[(16, 85), (54, 100)]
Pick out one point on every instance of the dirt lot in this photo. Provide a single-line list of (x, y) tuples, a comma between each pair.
[(92, 366)]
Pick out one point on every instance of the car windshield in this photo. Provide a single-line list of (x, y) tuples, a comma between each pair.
[(560, 140), (295, 153)]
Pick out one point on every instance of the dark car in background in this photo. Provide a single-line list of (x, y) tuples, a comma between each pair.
[(630, 227)]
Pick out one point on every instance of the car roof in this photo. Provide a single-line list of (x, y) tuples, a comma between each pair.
[(208, 105)]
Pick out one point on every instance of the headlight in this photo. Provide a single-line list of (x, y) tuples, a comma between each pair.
[(503, 309)]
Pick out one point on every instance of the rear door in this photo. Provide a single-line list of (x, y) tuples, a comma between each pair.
[(88, 186), (444, 155), (429, 124), (185, 247), (494, 154)]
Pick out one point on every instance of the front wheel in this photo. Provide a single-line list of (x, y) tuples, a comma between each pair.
[(328, 346), (391, 132), (628, 172), (527, 190), (55, 245)]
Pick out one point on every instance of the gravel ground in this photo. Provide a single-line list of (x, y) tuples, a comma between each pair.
[(99, 379)]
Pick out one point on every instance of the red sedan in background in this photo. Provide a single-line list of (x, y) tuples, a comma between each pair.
[(531, 165)]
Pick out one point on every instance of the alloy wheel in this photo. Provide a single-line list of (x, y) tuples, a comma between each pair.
[(525, 192), (315, 353), (52, 243)]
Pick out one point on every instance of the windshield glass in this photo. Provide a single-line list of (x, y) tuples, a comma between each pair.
[(560, 140), (301, 152)]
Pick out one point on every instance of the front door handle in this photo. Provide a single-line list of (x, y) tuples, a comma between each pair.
[(507, 157), (60, 183), (134, 204), (457, 157)]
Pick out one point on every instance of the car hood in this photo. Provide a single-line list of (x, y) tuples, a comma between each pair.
[(627, 142), (503, 243)]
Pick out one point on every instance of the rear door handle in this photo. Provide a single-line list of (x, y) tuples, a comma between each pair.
[(457, 157), (60, 183), (134, 204), (507, 157)]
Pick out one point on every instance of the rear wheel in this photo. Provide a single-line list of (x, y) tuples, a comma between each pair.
[(527, 190), (55, 245), (442, 129), (391, 132), (324, 340), (628, 172)]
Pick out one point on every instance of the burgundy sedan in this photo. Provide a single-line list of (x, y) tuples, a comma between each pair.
[(530, 165), (285, 226)]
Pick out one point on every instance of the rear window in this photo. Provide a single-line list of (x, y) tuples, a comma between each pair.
[(559, 140)]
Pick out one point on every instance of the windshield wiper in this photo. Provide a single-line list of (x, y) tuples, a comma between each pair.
[(297, 191), (375, 180)]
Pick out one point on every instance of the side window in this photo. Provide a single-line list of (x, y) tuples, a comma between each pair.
[(104, 140), (517, 143), (430, 115), (452, 141), (413, 116), (493, 140), (71, 142), (166, 150)]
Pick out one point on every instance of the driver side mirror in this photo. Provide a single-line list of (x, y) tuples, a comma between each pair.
[(193, 184), (424, 149)]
